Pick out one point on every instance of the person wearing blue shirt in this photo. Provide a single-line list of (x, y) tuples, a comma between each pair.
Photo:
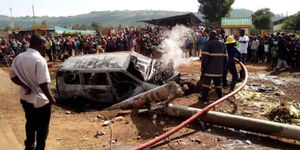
[(232, 53)]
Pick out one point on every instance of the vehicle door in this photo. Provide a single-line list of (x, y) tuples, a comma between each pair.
[(69, 85), (97, 87), (125, 85)]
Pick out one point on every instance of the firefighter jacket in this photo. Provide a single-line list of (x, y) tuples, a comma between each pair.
[(213, 55)]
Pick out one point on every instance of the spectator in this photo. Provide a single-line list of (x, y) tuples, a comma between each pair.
[(243, 40), (282, 53), (35, 94)]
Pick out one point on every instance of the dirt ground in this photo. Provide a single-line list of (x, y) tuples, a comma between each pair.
[(70, 130)]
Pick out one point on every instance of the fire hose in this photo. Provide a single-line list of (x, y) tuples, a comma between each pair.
[(197, 115)]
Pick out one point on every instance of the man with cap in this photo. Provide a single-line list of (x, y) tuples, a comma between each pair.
[(212, 65)]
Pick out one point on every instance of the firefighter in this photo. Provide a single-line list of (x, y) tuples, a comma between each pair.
[(232, 52), (212, 65)]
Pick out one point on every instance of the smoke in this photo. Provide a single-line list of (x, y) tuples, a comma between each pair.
[(171, 46)]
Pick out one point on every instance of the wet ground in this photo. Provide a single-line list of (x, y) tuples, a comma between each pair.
[(70, 130)]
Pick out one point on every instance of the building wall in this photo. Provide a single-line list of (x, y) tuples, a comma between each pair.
[(229, 31), (278, 27)]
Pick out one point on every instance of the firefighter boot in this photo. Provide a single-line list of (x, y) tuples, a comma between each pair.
[(204, 97)]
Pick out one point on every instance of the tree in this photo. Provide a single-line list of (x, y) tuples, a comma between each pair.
[(80, 27), (44, 22), (293, 23), (262, 19), (214, 10), (7, 28), (96, 26)]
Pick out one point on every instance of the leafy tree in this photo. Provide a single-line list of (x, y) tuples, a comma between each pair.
[(293, 23), (262, 19), (44, 22), (76, 27), (7, 28), (119, 27), (96, 26), (80, 27), (214, 10)]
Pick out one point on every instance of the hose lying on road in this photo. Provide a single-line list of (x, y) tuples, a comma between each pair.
[(197, 115)]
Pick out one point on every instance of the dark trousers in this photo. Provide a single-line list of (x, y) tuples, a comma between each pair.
[(37, 125), (243, 59), (206, 83), (232, 69), (48, 53)]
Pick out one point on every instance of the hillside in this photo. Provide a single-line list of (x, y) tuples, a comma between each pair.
[(105, 18), (241, 13)]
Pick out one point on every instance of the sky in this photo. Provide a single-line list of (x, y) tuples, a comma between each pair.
[(75, 7)]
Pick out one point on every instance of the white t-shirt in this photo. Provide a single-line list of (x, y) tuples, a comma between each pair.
[(31, 68), (243, 46), (266, 47)]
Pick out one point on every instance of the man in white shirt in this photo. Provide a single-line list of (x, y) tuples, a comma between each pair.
[(30, 71), (243, 40), (254, 49)]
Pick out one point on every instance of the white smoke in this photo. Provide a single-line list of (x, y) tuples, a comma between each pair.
[(171, 46)]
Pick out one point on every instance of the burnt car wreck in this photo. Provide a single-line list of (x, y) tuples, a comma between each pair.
[(109, 78)]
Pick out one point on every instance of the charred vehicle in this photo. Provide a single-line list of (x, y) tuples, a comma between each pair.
[(109, 78)]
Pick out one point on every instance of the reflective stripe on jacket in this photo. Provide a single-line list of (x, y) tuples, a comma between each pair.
[(212, 58)]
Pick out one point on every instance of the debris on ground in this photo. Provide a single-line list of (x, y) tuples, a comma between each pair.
[(68, 112), (83, 139), (249, 95), (138, 137), (258, 92), (248, 142), (106, 123), (168, 92), (247, 112), (99, 133), (260, 88), (114, 141), (196, 140), (58, 138), (120, 118), (285, 112)]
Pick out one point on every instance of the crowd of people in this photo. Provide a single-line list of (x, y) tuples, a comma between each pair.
[(274, 49), (145, 41), (217, 51)]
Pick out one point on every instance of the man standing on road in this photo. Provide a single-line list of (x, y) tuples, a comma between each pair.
[(243, 40), (282, 53), (30, 71), (212, 65)]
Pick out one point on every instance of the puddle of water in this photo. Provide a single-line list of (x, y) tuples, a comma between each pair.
[(237, 144), (282, 81), (276, 80)]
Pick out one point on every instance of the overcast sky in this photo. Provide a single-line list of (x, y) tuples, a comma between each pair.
[(75, 7)]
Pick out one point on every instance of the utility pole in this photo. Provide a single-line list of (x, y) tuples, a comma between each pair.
[(33, 19), (11, 19)]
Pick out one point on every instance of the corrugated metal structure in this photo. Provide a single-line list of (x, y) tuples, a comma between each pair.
[(187, 19), (232, 25), (61, 30)]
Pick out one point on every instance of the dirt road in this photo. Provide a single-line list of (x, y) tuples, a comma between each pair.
[(71, 130)]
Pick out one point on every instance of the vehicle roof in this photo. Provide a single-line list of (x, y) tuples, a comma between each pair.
[(109, 60)]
